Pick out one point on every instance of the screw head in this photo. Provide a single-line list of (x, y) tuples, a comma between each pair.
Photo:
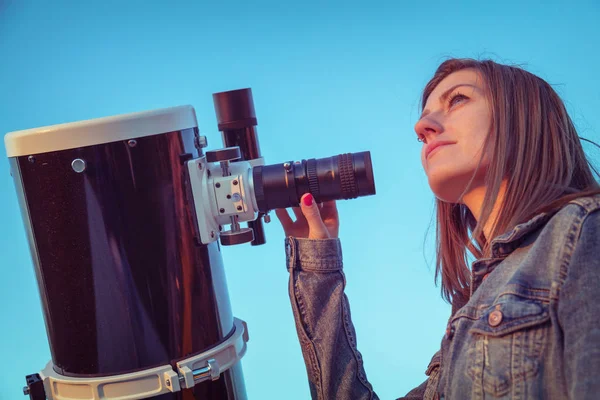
[(228, 196), (222, 210), (212, 234), (31, 159), (235, 182), (132, 143), (239, 208), (168, 382), (218, 184), (78, 165), (202, 141)]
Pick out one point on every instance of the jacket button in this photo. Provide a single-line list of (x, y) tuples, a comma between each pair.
[(495, 318)]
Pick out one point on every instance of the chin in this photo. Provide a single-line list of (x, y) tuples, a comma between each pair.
[(447, 188)]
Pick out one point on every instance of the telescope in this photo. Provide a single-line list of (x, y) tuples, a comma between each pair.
[(125, 217)]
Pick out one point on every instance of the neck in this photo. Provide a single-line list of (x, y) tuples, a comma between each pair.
[(474, 201)]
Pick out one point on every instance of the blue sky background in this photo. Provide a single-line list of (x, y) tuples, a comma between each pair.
[(328, 78)]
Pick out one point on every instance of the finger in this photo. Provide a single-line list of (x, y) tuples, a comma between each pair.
[(310, 209), (284, 218), (299, 215), (329, 209)]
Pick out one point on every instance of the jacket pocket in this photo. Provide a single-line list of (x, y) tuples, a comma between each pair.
[(506, 346)]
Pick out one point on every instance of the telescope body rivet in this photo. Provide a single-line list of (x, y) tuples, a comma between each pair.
[(239, 208), (78, 165), (132, 143), (235, 182), (218, 184), (31, 159), (222, 210), (287, 166)]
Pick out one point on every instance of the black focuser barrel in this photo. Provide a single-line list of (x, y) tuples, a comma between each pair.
[(345, 176)]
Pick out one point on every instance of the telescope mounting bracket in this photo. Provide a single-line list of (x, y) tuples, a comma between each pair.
[(149, 382), (223, 194)]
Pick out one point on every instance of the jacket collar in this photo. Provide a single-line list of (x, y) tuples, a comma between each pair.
[(504, 245)]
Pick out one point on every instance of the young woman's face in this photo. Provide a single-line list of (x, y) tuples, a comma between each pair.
[(454, 124)]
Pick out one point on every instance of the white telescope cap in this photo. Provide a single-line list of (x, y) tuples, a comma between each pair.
[(99, 130)]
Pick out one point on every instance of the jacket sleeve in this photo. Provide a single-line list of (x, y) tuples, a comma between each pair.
[(323, 322), (324, 325), (579, 308)]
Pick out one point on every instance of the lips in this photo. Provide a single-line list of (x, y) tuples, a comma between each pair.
[(434, 146)]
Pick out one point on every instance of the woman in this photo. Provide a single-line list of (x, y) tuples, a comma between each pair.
[(513, 190)]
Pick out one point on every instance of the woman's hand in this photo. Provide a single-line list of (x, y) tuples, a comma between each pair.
[(313, 221)]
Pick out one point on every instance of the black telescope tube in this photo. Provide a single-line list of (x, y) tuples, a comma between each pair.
[(237, 122)]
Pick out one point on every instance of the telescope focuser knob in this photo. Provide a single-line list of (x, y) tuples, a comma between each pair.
[(222, 155), (236, 235), (229, 238)]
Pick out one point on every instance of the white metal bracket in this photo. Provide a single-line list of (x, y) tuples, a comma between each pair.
[(218, 198), (154, 381)]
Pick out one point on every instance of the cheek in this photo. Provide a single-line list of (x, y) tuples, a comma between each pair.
[(473, 150)]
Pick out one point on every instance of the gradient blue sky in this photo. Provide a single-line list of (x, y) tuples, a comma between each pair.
[(328, 78)]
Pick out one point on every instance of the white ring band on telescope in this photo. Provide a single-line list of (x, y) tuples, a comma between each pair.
[(150, 382), (99, 131)]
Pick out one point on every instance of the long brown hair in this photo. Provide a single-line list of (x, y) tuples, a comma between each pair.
[(532, 144)]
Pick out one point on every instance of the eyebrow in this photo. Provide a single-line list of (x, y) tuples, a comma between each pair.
[(445, 95)]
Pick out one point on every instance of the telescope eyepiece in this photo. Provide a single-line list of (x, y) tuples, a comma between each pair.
[(235, 109)]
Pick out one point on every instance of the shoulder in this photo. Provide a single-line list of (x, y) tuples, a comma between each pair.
[(578, 275), (576, 228), (581, 205), (569, 221), (569, 236)]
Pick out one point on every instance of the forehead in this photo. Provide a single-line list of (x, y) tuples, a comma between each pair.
[(466, 76)]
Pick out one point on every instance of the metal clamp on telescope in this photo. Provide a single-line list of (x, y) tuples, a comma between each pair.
[(146, 383)]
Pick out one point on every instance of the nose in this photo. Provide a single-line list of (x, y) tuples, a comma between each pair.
[(428, 127)]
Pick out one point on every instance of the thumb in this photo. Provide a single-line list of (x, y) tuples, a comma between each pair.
[(310, 209)]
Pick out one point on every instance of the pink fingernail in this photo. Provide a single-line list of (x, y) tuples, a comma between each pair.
[(308, 200)]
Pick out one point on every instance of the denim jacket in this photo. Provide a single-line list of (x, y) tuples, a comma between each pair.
[(530, 330)]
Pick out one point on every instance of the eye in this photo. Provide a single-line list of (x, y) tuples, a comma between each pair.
[(456, 98)]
